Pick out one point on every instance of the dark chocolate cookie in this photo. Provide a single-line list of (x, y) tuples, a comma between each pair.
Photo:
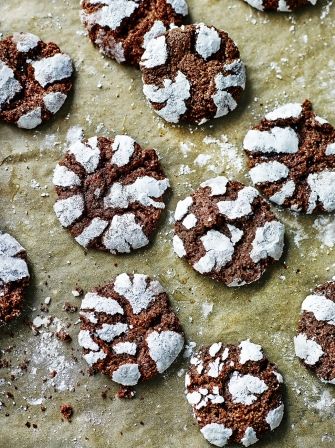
[(110, 193), (226, 231), (192, 74), (35, 79), (14, 277), (123, 28), (280, 5), (292, 158), (129, 331), (315, 343), (235, 393)]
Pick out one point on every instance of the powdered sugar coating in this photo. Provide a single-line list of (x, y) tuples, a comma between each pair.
[(182, 208), (268, 242), (52, 69), (178, 246), (92, 231), (87, 154), (278, 140), (245, 388), (54, 101), (100, 304), (137, 291), (31, 119), (157, 28), (275, 416), (290, 110), (322, 308), (112, 14), (123, 147), (127, 375), (173, 94), (12, 267), (216, 434), (282, 6), (190, 221), (307, 349), (219, 251), (109, 332), (128, 348), (9, 85), (69, 210), (25, 41), (180, 6), (155, 53), (268, 172), (208, 41), (240, 206), (322, 189), (164, 347), (249, 437), (64, 177), (143, 190), (124, 234), (217, 185), (286, 191), (250, 352)]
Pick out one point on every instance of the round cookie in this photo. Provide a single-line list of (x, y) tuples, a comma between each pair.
[(122, 29), (315, 342), (14, 277), (192, 74), (110, 193), (129, 331), (227, 231), (279, 5), (235, 393), (35, 79), (292, 158)]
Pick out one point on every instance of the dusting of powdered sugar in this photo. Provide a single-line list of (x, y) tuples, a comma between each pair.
[(250, 352), (92, 231), (244, 389), (31, 119), (86, 154), (268, 241), (241, 206), (123, 149), (228, 153), (277, 140), (155, 53), (268, 172), (208, 41), (69, 210), (9, 85), (25, 41), (12, 268), (52, 69), (164, 347)]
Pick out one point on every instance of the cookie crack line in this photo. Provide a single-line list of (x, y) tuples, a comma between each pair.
[(111, 193)]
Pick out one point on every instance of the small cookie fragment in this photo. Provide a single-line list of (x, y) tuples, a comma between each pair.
[(66, 410), (235, 393), (292, 158), (122, 29), (227, 231), (35, 80), (314, 344), (280, 5), (110, 193), (192, 74), (14, 277), (129, 330)]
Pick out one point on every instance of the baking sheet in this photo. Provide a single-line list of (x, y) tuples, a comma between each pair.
[(289, 57)]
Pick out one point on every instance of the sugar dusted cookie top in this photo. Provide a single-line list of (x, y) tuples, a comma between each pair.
[(129, 331), (121, 29), (192, 74), (35, 80), (14, 277), (235, 393), (110, 193), (280, 5), (227, 231), (292, 158), (314, 343)]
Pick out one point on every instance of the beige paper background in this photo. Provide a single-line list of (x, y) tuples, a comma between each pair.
[(289, 57)]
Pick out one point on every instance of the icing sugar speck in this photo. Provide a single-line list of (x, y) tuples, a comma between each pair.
[(208, 41), (173, 94), (137, 291), (52, 69), (178, 246), (164, 347)]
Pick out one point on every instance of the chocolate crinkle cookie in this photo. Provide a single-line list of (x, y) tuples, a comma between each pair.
[(129, 331), (315, 342), (192, 74), (110, 193), (14, 277), (280, 5), (227, 231), (35, 80), (292, 158), (235, 393), (122, 29)]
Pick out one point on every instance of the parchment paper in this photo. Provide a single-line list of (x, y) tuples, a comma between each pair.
[(289, 58)]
